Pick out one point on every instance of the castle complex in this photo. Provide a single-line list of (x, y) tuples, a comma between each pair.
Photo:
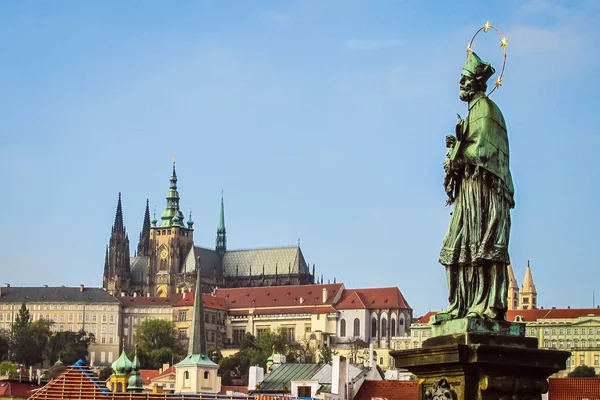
[(167, 258)]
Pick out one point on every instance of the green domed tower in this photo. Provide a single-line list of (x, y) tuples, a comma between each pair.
[(135, 380)]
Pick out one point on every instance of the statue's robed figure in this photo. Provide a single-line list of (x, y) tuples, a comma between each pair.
[(479, 184)]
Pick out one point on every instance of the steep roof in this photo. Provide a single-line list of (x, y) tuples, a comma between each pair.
[(147, 375), (390, 390), (573, 388), (388, 297), (210, 301), (511, 278), (280, 296), (276, 260), (210, 261), (425, 318), (138, 269), (528, 285), (60, 294), (279, 380)]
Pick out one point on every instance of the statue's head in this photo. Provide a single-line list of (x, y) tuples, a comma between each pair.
[(474, 77), (450, 141)]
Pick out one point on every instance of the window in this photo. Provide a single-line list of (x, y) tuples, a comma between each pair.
[(393, 326), (356, 332), (581, 359), (110, 356), (103, 317), (183, 315), (568, 331), (186, 379), (307, 328), (343, 328), (554, 331), (182, 333), (401, 321), (576, 331), (206, 375), (304, 392), (119, 387), (560, 331), (260, 331), (415, 333), (102, 357), (384, 328), (70, 317), (381, 360), (110, 340), (546, 331), (112, 318), (213, 318), (596, 359), (373, 327), (238, 336), (289, 334)]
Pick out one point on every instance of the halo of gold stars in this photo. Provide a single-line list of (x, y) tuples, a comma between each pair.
[(503, 43)]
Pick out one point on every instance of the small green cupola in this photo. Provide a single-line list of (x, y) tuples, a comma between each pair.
[(135, 383), (190, 222), (122, 365)]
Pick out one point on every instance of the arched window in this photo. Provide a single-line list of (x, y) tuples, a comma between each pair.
[(343, 328), (119, 387), (401, 321), (383, 327), (186, 379), (374, 327), (356, 332), (381, 360), (393, 326), (205, 374)]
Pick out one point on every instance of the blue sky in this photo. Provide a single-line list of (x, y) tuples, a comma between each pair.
[(320, 120)]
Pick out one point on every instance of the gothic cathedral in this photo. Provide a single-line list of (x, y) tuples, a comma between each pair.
[(167, 260)]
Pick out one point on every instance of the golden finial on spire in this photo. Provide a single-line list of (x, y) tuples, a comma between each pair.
[(498, 81), (173, 159), (487, 26), (469, 49), (503, 42)]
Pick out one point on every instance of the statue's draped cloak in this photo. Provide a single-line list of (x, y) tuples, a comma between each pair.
[(480, 225)]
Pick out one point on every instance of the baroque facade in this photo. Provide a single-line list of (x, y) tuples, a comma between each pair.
[(167, 259)]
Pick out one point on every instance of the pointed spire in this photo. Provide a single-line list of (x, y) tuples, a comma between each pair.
[(118, 225), (528, 285), (197, 338), (221, 242), (190, 222), (512, 281), (143, 248), (172, 216)]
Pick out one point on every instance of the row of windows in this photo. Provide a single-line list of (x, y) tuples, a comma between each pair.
[(576, 331), (40, 307), (168, 232), (576, 344), (571, 360), (208, 317)]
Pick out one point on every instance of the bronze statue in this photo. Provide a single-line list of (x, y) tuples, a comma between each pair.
[(479, 184)]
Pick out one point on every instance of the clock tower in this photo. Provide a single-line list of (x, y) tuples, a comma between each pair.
[(169, 244)]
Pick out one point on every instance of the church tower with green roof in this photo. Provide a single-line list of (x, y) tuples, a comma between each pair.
[(170, 242)]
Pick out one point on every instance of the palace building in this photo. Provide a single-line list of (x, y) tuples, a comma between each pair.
[(167, 258)]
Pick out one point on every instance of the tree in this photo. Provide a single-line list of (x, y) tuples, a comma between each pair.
[(105, 373), (69, 346), (583, 371), (327, 354), (4, 344), (157, 343), (7, 368), (356, 345), (29, 339)]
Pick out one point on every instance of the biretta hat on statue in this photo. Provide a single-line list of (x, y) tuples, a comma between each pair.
[(475, 66)]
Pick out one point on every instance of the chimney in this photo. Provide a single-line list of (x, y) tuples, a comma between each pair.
[(44, 285), (256, 375), (134, 294), (301, 300), (324, 295), (338, 376), (7, 285), (165, 367), (81, 287)]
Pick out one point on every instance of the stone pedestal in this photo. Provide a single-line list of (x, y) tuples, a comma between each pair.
[(476, 359)]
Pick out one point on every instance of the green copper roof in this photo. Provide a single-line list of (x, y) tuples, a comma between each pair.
[(135, 382), (172, 216), (221, 242), (122, 365), (196, 359)]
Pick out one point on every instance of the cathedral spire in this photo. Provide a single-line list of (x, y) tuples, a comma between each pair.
[(172, 216), (143, 248), (221, 242), (118, 225), (197, 338), (528, 291)]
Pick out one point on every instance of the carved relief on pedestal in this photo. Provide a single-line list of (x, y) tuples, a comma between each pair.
[(441, 391)]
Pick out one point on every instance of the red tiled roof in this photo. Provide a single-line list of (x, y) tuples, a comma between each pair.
[(16, 389), (389, 297), (288, 310), (390, 390), (170, 370), (534, 315), (148, 374), (236, 389), (573, 388), (351, 300), (279, 296), (210, 301), (425, 318), (145, 301)]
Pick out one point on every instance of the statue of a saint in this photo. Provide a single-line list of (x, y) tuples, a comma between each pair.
[(479, 184)]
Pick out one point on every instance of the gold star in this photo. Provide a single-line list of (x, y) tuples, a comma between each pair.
[(469, 50), (503, 42), (499, 82), (487, 26)]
